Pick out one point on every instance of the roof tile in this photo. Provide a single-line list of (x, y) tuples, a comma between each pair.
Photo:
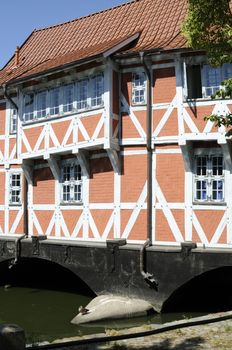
[(158, 21)]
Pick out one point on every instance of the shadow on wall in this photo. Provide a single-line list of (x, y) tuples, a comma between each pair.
[(208, 292), (38, 273)]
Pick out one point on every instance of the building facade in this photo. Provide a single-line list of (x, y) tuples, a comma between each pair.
[(103, 137)]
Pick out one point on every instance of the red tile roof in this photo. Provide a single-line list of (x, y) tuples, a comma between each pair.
[(159, 22)]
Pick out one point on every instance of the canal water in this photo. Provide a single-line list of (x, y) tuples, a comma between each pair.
[(45, 314)]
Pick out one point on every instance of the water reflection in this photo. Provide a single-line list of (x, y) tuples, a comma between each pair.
[(45, 314)]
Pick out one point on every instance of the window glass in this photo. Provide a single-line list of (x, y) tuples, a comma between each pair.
[(13, 121), (209, 178), (227, 71), (213, 80), (71, 183), (88, 93), (82, 94), (15, 188), (68, 98), (97, 85), (138, 88), (28, 107), (54, 101), (204, 80), (41, 104)]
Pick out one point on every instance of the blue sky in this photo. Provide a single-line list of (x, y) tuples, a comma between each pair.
[(20, 17)]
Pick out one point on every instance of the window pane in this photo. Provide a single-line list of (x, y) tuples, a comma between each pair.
[(66, 193), (218, 192), (66, 173), (77, 172), (82, 94), (77, 193), (227, 71), (28, 107), (213, 80), (15, 188), (54, 101), (201, 190), (41, 104), (138, 87), (217, 165), (13, 121), (68, 98), (201, 166), (71, 183), (97, 84)]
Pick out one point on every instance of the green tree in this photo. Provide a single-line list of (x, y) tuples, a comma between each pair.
[(208, 27)]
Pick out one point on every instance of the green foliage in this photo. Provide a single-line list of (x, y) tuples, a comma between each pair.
[(225, 120), (226, 91), (208, 26)]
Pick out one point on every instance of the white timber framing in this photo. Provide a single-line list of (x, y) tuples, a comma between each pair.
[(116, 165), (188, 186), (8, 208), (55, 169), (108, 99), (226, 150), (27, 167)]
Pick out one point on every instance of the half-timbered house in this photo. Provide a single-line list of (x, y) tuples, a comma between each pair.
[(102, 133)]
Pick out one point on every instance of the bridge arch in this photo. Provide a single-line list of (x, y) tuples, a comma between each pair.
[(210, 291), (42, 273)]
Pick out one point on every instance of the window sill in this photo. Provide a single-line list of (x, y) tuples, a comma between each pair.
[(210, 203), (138, 104), (15, 204), (79, 204)]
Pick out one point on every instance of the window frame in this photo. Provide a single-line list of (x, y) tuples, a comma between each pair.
[(94, 88), (30, 112), (55, 88), (209, 178), (17, 188), (85, 101), (13, 121), (202, 78), (65, 103), (138, 88), (73, 183)]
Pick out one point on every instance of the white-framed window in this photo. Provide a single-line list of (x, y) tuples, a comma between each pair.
[(97, 90), (15, 188), (54, 101), (41, 104), (209, 177), (203, 80), (77, 96), (138, 88), (68, 98), (29, 107), (71, 183), (13, 120), (82, 94)]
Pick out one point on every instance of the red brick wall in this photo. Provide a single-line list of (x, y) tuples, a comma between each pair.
[(134, 168), (170, 175), (126, 86), (101, 187), (44, 187), (164, 85), (2, 118)]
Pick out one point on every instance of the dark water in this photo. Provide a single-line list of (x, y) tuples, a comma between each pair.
[(45, 315)]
